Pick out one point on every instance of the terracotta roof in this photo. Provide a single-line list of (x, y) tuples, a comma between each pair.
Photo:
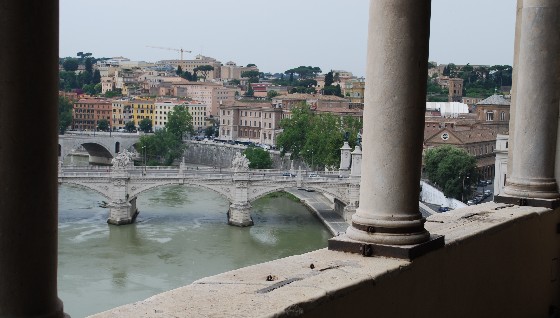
[(494, 100), (476, 135), (299, 96)]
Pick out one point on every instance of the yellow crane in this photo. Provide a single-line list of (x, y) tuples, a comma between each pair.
[(170, 49)]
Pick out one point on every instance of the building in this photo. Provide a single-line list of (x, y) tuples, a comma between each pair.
[(455, 89), (252, 122), (210, 94), (354, 90), (190, 65), (493, 112), (86, 113), (232, 71), (477, 142), (141, 109), (119, 116), (314, 101), (198, 111)]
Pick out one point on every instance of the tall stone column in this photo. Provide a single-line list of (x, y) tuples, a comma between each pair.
[(28, 159), (393, 124), (536, 101)]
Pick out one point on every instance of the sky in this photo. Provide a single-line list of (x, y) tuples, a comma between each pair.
[(276, 35)]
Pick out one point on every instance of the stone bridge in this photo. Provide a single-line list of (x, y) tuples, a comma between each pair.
[(101, 146), (121, 186)]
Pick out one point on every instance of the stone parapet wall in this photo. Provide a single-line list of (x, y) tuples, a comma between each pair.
[(498, 261)]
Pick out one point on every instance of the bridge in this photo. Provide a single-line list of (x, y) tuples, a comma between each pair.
[(122, 183), (102, 147)]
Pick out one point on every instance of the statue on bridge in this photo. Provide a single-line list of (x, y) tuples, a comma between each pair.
[(240, 163), (122, 160)]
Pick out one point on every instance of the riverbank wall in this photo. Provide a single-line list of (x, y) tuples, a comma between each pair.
[(220, 155)]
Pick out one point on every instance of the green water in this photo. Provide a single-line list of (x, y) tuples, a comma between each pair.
[(181, 235)]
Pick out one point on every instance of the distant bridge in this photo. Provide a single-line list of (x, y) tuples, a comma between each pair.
[(101, 146), (121, 187)]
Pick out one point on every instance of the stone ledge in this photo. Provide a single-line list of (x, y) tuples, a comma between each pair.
[(306, 283)]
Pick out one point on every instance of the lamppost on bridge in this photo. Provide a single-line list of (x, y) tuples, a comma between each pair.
[(144, 153), (308, 150)]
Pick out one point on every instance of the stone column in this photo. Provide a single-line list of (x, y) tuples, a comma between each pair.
[(395, 103), (28, 159), (536, 101)]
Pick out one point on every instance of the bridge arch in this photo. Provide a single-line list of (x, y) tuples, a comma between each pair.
[(86, 186), (136, 192), (283, 187)]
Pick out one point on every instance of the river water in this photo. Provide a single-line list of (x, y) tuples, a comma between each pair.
[(180, 235)]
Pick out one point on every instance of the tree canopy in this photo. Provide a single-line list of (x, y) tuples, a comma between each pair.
[(258, 158), (163, 147), (145, 125), (70, 64), (204, 70), (450, 168), (317, 138), (179, 122), (103, 125), (64, 114), (129, 126)]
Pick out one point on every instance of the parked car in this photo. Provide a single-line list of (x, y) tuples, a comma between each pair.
[(471, 202), (488, 192), (288, 174), (443, 209), (313, 175), (489, 182)]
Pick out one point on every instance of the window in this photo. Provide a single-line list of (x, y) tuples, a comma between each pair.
[(489, 116)]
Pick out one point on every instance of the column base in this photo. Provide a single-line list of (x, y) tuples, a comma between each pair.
[(525, 201), (343, 243), (533, 188)]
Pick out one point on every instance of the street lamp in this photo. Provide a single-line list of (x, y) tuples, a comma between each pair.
[(463, 189), (144, 152)]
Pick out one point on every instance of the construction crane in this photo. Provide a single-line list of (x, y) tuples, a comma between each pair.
[(170, 49)]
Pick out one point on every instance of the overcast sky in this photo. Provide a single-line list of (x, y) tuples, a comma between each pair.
[(276, 35)]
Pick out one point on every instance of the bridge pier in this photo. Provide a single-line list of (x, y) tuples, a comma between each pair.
[(122, 212), (239, 214)]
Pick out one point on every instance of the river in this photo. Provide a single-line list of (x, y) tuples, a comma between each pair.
[(180, 235)]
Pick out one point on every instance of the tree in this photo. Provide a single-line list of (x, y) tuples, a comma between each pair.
[(103, 125), (234, 82), (163, 147), (96, 79), (179, 70), (70, 64), (316, 138), (251, 64), (210, 131), (250, 74), (250, 92), (188, 76), (329, 79), (452, 169), (64, 114), (179, 122), (130, 126), (258, 158), (271, 94), (145, 125), (88, 66), (204, 70)]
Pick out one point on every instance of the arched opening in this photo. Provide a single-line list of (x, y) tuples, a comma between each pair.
[(117, 147), (59, 150)]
